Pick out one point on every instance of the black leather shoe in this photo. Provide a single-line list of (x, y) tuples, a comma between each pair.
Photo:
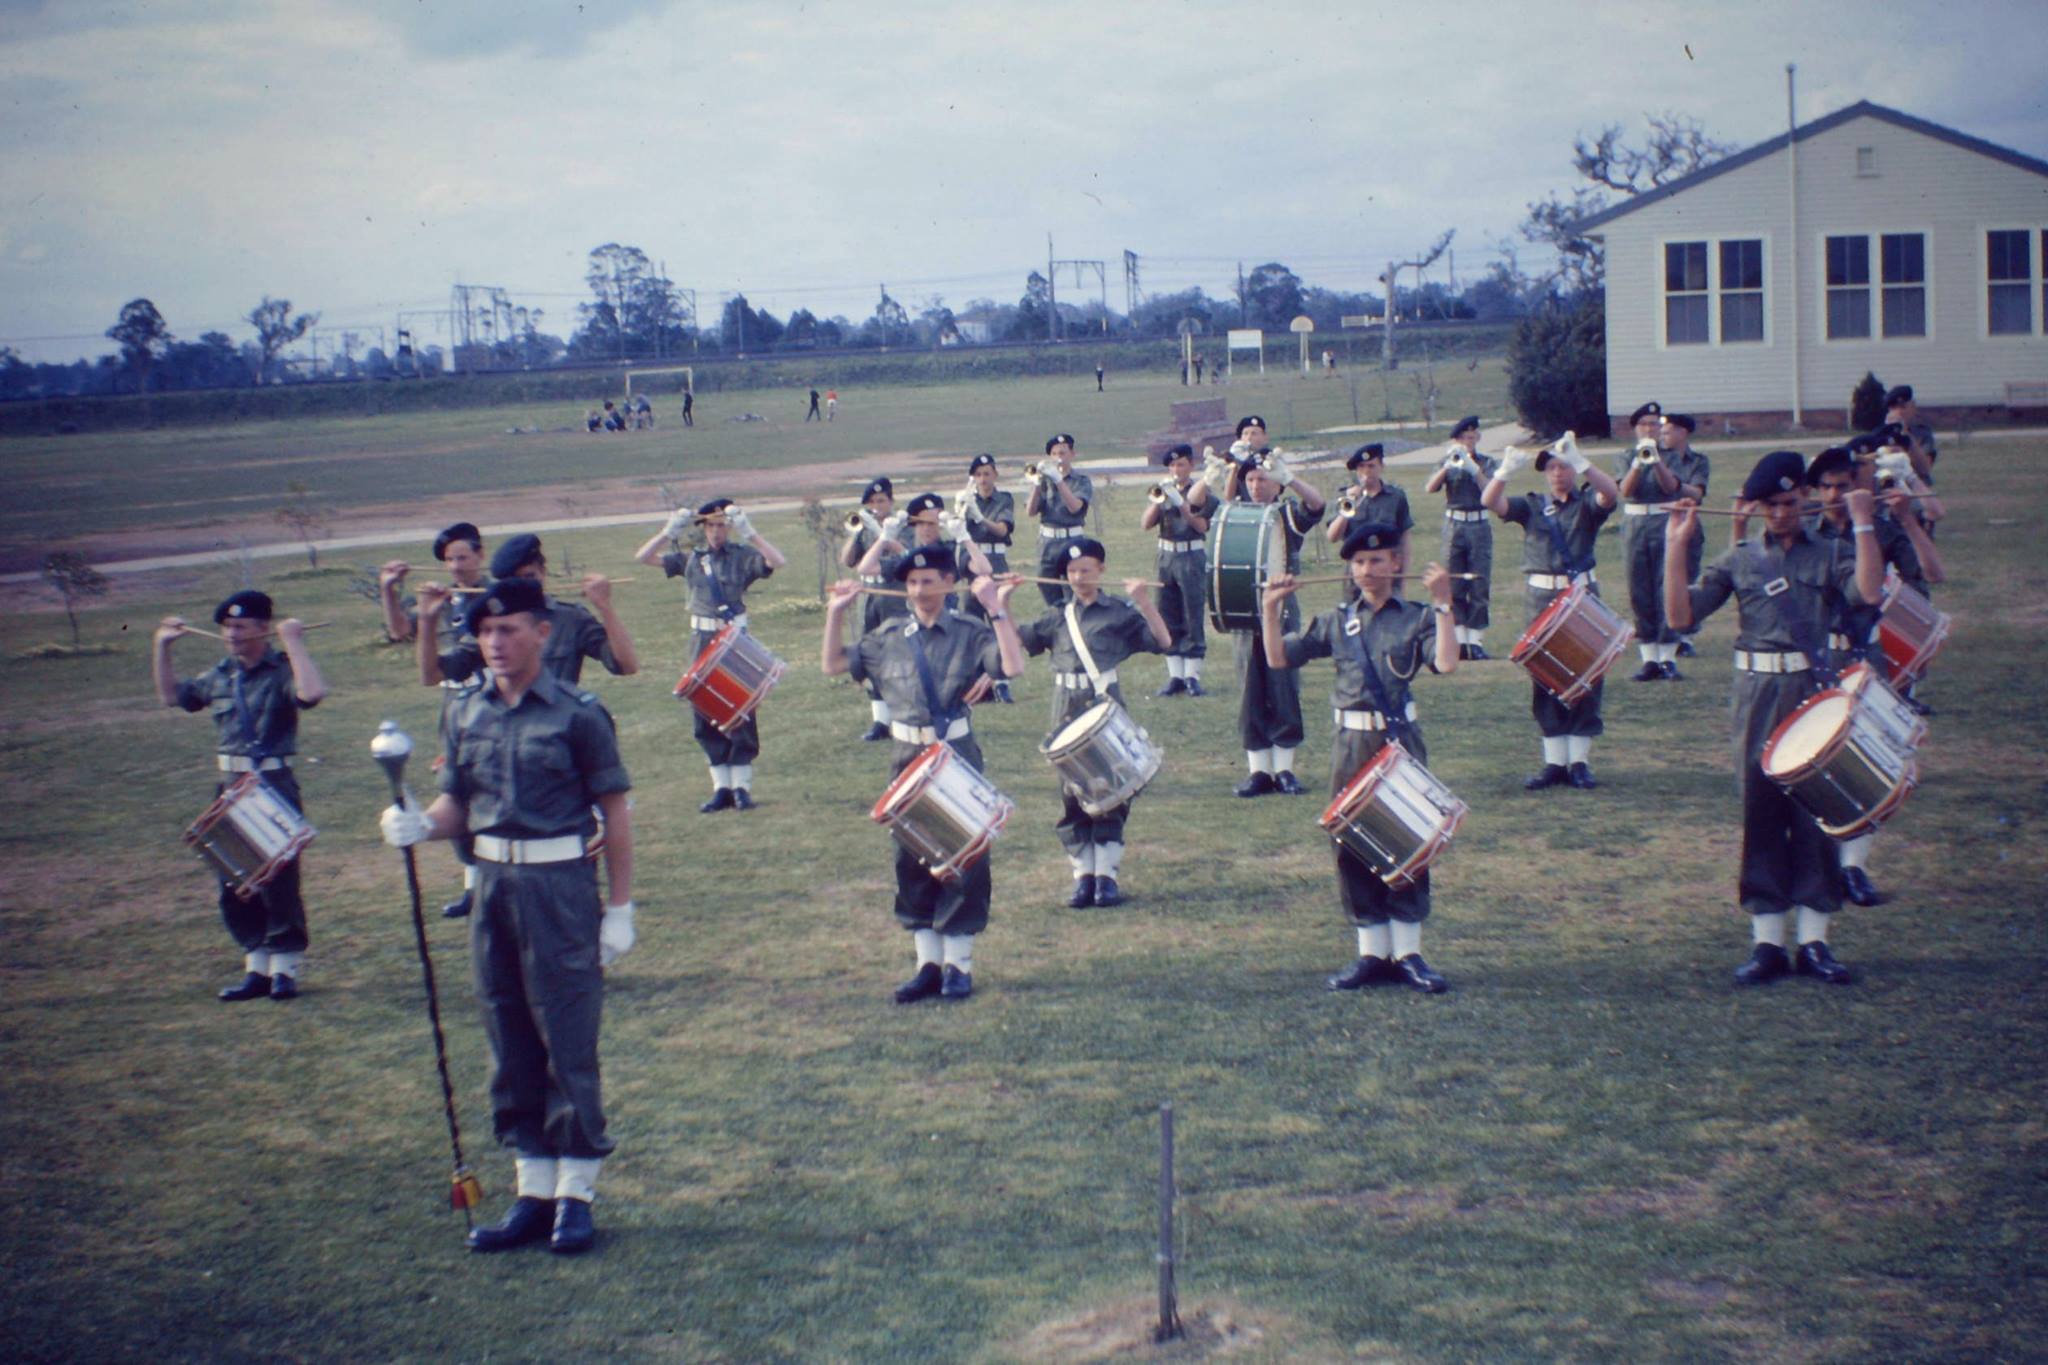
[(1367, 971), (1767, 962), (1107, 892), (875, 732), (1479, 654), (1464, 654), (1919, 707), (923, 986), (1288, 784), (1580, 776), (720, 800), (574, 1231), (742, 799), (283, 987), (1670, 671), (1685, 650), (1174, 687), (528, 1220), (1258, 784), (955, 984), (1649, 672), (1856, 884), (1084, 892), (254, 986), (1815, 960), (1416, 973), (1003, 693), (1194, 687), (459, 909), (1552, 775)]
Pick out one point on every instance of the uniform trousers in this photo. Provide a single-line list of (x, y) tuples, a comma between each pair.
[(1468, 548), (1185, 574), (1786, 860)]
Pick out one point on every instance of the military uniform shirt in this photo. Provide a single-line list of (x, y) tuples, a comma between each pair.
[(1053, 509), (1580, 517), (1779, 592), (532, 771), (1689, 468), (266, 722), (1114, 630), (576, 635), (1388, 507), (1173, 521), (1461, 491), (960, 649), (1400, 638), (997, 506), (736, 568), (1855, 618)]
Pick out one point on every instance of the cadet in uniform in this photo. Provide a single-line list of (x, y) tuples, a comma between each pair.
[(1089, 636), (525, 759), (1378, 642), (1182, 520), (1787, 585), (1371, 500), (1059, 499), (927, 664), (1559, 529), (574, 633), (255, 694), (1675, 440), (867, 525), (461, 548), (1468, 538), (990, 516), (1269, 702), (1915, 437), (734, 558), (1652, 478)]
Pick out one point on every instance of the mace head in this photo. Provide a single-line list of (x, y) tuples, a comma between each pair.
[(391, 748)]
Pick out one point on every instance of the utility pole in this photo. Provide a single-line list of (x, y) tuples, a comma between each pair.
[(1240, 299), (1052, 297), (1131, 291)]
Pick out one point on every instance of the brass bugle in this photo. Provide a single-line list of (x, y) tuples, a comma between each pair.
[(1034, 470), (1347, 507), (856, 521)]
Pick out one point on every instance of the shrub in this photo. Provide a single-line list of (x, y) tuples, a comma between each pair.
[(1557, 369)]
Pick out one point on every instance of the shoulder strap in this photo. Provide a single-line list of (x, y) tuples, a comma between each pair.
[(1081, 647)]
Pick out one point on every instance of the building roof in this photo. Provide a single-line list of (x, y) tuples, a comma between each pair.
[(1861, 109)]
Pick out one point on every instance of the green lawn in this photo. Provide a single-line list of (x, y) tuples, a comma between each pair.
[(1594, 1148)]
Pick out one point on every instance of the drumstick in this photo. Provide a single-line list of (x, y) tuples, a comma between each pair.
[(1061, 582), (1803, 511), (1346, 578), (312, 625), (576, 588)]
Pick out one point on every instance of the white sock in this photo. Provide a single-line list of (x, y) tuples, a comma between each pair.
[(285, 964), (1192, 667), (1768, 928), (1375, 941), (721, 776), (1555, 751), (1856, 851), (468, 877), (1259, 760), (742, 775), (1813, 925), (1175, 668), (926, 941), (257, 960), (1406, 936), (879, 710), (536, 1176), (576, 1177), (1580, 747), (1667, 654), (1283, 760), (960, 952), (1649, 653), (1107, 858), (1082, 861)]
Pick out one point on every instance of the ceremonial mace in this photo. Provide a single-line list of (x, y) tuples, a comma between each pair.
[(391, 748)]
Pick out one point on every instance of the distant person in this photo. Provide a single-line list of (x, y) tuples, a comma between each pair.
[(831, 404), (689, 408), (1902, 417), (1098, 376), (814, 415), (1183, 374), (614, 420), (1198, 370), (643, 414), (593, 420), (1329, 361)]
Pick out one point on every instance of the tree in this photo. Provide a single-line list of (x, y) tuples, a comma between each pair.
[(276, 329), (307, 521), (1034, 311), (143, 338), (1272, 295), (742, 328), (1557, 368), (890, 325), (802, 329), (634, 308), (74, 578), (1866, 404)]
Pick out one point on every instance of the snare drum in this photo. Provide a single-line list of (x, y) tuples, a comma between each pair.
[(730, 678), (943, 811), (1571, 643), (1104, 755), (1886, 707), (1910, 632), (248, 834), (1394, 816), (1840, 763), (1247, 546)]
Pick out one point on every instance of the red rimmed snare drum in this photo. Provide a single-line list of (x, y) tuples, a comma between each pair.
[(730, 678), (1910, 632), (248, 834), (1394, 816), (1887, 708), (943, 811), (1835, 758), (1571, 643)]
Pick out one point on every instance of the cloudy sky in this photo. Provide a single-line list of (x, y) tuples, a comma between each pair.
[(360, 156)]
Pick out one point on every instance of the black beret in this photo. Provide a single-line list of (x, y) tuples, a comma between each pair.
[(1682, 419), (1465, 424), (1374, 535), (924, 502), (1781, 471), (461, 530), (1083, 547), (1543, 459), (1650, 409), (930, 557), (1868, 443), (1901, 394), (506, 596), (1179, 452), (981, 461), (1833, 460), (1253, 420), (1371, 451), (1063, 439), (879, 485), (515, 553), (246, 605)]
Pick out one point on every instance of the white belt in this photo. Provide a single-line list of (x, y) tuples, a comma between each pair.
[(1456, 515), (925, 734), (713, 623), (1790, 662), (235, 763), (1360, 720), (996, 545), (1074, 682), (1558, 582), (1179, 547), (1837, 641), (1060, 532), (563, 848), (1644, 509), (455, 685), (872, 578)]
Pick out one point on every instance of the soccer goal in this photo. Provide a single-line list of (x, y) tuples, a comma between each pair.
[(689, 384)]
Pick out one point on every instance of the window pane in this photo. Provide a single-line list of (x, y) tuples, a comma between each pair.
[(1848, 260), (1848, 313), (1905, 258), (1685, 320), (1742, 317), (1685, 266), (1905, 312), (2007, 256), (2012, 311), (1742, 265)]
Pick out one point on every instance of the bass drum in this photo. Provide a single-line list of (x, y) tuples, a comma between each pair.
[(1247, 546)]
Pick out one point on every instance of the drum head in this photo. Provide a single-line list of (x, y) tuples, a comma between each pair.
[(909, 783), (1808, 733), (1546, 621), (707, 659), (1081, 726)]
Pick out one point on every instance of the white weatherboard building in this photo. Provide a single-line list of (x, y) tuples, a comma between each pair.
[(1761, 289)]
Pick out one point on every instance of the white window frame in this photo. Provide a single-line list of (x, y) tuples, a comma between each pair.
[(2037, 297), (1714, 341), (1874, 237)]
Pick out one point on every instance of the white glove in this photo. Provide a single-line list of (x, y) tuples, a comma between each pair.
[(404, 826), (1173, 495), (1894, 464), (1216, 471), (867, 520), (894, 527), (1566, 448), (952, 526), (1513, 461), (1238, 450), (1054, 472), (1276, 466), (737, 524), (678, 521), (615, 934)]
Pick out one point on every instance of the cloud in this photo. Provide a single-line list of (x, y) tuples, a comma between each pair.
[(455, 30)]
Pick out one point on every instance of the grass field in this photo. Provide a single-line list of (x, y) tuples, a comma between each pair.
[(1594, 1148)]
